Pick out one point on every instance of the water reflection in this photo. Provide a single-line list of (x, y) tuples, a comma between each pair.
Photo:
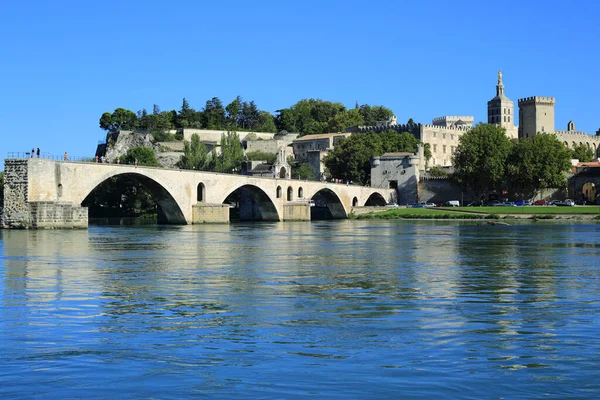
[(332, 309)]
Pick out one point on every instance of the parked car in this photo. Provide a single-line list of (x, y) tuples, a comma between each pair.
[(453, 203), (580, 202), (522, 203), (429, 205), (496, 203), (474, 204), (392, 205), (540, 202), (567, 203), (509, 204), (439, 204)]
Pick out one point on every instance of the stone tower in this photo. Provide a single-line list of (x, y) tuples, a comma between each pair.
[(501, 110), (536, 114)]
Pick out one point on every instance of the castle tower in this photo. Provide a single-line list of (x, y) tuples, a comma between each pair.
[(536, 114), (501, 110)]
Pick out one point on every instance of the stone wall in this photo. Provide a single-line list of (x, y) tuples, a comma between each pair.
[(441, 190), (203, 213), (16, 211), (51, 215), (296, 212)]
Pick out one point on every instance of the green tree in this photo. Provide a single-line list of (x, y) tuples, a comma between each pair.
[(231, 154), (350, 160), (583, 153), (142, 155), (194, 154), (427, 153), (303, 171), (213, 114), (480, 159), (233, 112), (372, 114), (258, 155), (120, 119), (539, 162)]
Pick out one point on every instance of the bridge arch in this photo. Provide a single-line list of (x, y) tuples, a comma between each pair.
[(290, 193), (253, 203), (170, 211), (375, 199), (328, 205), (300, 192)]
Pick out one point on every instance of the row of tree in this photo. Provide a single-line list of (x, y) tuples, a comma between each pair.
[(486, 160), (307, 116), (230, 158), (310, 116)]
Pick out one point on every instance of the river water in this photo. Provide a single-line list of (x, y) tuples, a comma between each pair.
[(337, 309)]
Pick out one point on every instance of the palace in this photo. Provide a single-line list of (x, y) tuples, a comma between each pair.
[(536, 115)]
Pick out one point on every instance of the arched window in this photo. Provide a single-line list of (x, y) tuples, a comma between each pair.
[(290, 193), (59, 192), (300, 193), (354, 202), (200, 192), (278, 192)]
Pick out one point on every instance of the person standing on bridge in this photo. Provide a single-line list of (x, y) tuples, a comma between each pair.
[(66, 156), (38, 152)]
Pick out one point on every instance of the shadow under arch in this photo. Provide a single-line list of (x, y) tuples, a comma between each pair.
[(169, 211), (250, 203), (375, 199), (327, 206)]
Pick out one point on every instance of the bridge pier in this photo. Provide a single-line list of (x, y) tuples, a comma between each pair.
[(296, 212), (204, 213)]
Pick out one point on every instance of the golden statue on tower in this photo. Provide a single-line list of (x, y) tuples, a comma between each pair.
[(499, 77)]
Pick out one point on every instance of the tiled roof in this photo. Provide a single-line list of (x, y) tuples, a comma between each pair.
[(402, 154)]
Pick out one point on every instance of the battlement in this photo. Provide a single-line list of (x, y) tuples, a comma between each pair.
[(453, 118), (449, 128), (537, 100), (577, 135), (380, 128)]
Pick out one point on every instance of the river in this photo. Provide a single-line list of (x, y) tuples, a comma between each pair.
[(332, 309)]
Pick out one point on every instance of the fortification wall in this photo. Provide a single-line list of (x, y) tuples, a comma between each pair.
[(207, 135), (441, 190)]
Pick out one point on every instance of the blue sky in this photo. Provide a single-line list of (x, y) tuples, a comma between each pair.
[(66, 62)]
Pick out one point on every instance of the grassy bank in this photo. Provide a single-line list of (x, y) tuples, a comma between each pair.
[(422, 213), (538, 213)]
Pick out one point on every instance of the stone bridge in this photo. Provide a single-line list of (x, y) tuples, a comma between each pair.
[(45, 193)]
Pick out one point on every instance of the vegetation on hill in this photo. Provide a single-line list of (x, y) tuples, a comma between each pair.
[(229, 159), (486, 160), (310, 116), (305, 117), (141, 156), (350, 160), (258, 155), (583, 153)]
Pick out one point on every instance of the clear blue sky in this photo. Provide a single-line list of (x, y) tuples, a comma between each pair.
[(66, 62)]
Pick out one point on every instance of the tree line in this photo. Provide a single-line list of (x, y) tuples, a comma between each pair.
[(307, 116), (486, 160)]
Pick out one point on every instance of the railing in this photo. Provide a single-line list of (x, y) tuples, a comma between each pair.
[(48, 156)]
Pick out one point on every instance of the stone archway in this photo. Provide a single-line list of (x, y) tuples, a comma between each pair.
[(251, 203), (327, 205), (282, 173), (290, 193), (169, 211), (354, 202), (375, 199), (589, 192)]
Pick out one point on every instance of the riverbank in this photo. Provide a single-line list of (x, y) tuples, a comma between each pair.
[(485, 213)]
